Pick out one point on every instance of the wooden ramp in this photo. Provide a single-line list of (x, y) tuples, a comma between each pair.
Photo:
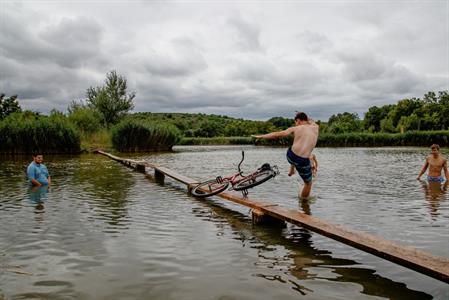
[(428, 264)]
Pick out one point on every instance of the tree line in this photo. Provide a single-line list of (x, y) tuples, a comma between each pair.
[(110, 104), (427, 114)]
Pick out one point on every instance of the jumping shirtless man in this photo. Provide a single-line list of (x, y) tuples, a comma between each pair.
[(305, 134), (435, 162)]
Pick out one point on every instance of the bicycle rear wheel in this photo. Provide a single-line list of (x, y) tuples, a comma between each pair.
[(209, 188), (254, 179)]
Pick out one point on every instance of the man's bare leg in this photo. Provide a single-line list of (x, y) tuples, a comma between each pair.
[(291, 171), (306, 190)]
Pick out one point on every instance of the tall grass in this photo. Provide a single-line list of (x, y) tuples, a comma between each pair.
[(29, 132), (410, 138), (235, 140), (363, 139), (100, 139), (133, 135)]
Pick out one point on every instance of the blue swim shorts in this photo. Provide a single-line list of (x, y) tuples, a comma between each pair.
[(302, 165), (435, 178)]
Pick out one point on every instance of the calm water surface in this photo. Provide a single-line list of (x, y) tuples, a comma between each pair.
[(106, 232)]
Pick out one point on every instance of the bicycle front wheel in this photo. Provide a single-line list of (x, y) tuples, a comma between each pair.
[(254, 179), (209, 188)]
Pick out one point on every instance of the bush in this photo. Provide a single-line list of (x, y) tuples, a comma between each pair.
[(87, 120), (132, 135)]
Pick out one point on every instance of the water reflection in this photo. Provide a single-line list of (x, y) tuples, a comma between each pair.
[(434, 193), (302, 262), (38, 195), (107, 187), (304, 204)]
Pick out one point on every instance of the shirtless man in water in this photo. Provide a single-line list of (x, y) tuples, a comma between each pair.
[(435, 162), (305, 133)]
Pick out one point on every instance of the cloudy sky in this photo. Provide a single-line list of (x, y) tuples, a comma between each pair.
[(250, 59)]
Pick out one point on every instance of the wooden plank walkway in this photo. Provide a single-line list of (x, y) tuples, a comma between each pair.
[(428, 264)]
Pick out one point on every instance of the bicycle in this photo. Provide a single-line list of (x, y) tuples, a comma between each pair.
[(238, 181)]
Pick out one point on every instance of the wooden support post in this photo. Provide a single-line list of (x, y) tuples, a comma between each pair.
[(140, 168), (159, 176), (190, 188), (259, 218)]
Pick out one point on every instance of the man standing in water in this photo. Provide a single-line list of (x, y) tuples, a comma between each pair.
[(305, 136), (37, 172), (435, 162)]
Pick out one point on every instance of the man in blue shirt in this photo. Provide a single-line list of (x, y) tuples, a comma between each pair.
[(37, 172)]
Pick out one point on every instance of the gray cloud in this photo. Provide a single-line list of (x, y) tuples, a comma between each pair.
[(245, 60), (247, 34), (69, 43)]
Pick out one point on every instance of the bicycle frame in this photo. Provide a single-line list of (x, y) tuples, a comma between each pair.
[(234, 179), (238, 181)]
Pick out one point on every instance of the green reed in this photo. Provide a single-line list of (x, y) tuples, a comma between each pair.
[(132, 135), (29, 132), (233, 140), (410, 138)]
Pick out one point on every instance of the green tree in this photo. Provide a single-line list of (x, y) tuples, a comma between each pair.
[(111, 101), (435, 111), (86, 119), (345, 122), (281, 123), (386, 125), (405, 108), (443, 101), (406, 123), (374, 116), (209, 128), (8, 106)]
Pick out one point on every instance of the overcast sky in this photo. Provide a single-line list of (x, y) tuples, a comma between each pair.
[(249, 59)]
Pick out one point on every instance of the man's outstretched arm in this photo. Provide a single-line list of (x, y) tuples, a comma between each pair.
[(275, 134)]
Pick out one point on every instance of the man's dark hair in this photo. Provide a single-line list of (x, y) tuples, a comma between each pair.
[(435, 146), (36, 153), (301, 116)]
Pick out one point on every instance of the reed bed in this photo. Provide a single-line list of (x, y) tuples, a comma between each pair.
[(234, 140), (132, 135), (23, 133), (411, 138), (357, 139)]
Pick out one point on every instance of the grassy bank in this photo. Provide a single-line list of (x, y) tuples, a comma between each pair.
[(358, 139), (97, 140), (411, 138)]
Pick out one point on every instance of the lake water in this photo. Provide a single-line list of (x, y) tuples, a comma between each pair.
[(104, 231)]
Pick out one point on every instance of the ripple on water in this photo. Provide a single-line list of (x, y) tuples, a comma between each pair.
[(105, 232)]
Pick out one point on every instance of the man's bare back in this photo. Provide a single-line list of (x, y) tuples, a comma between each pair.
[(305, 138), (305, 133)]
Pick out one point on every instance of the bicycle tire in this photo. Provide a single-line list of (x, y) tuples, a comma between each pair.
[(209, 188), (253, 180)]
